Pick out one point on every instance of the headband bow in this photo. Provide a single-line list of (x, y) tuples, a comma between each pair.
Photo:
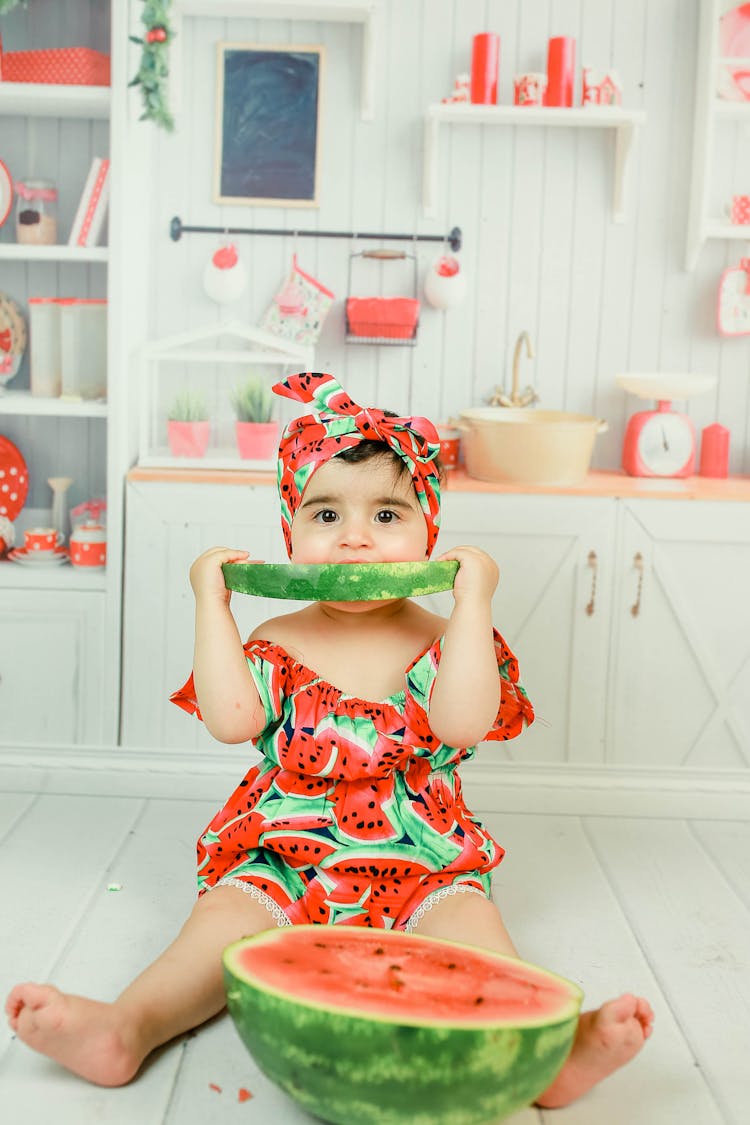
[(337, 423)]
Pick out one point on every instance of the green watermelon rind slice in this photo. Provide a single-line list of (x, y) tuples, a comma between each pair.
[(340, 582), (345, 1065)]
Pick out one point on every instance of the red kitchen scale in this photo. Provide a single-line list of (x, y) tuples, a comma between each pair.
[(661, 442)]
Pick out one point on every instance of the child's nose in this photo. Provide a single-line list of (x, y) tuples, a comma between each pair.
[(356, 532)]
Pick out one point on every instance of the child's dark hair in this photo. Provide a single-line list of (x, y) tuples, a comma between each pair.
[(367, 449)]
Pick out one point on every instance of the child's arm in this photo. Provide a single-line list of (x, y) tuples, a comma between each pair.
[(228, 699), (466, 694)]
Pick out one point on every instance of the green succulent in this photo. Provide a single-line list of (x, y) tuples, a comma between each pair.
[(188, 406), (253, 401)]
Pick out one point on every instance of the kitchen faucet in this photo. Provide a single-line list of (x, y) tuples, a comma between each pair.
[(516, 396)]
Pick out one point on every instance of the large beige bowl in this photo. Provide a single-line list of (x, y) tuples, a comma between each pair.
[(528, 446)]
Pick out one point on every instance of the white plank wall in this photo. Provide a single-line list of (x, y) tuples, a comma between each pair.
[(540, 249), (656, 905)]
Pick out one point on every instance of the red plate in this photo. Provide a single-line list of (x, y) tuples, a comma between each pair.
[(14, 479), (6, 192)]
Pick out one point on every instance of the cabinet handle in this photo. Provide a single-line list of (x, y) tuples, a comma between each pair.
[(593, 562), (635, 608)]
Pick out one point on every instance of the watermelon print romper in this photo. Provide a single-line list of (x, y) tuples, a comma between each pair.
[(355, 813)]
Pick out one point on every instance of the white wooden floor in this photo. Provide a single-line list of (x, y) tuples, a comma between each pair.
[(659, 906)]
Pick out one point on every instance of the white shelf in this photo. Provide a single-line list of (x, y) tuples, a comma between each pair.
[(66, 577), (625, 123), (328, 11), (718, 228), (21, 252), (732, 111), (23, 402), (37, 99)]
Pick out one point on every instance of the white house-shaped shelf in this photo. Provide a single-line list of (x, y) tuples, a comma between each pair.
[(210, 363)]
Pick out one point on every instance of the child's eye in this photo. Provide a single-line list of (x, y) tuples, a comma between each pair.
[(385, 515), (326, 515)]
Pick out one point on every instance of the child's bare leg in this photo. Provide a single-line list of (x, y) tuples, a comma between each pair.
[(106, 1043), (605, 1039)]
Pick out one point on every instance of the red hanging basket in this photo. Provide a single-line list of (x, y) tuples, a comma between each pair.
[(382, 320)]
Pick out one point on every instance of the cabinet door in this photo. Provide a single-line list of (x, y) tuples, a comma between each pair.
[(552, 605), (680, 685), (50, 660), (168, 526)]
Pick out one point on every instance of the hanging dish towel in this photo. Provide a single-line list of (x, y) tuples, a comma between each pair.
[(300, 307)]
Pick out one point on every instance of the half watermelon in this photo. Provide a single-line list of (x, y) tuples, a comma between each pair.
[(340, 582), (387, 1028)]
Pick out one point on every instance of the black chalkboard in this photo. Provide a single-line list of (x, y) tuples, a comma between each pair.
[(268, 124)]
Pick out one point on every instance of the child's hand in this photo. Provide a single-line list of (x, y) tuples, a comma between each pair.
[(477, 575), (206, 575)]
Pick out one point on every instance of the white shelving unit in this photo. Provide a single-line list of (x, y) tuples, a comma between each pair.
[(625, 123), (710, 110), (19, 252), (24, 403), (36, 99), (363, 12)]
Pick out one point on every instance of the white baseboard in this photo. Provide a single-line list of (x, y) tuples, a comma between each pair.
[(575, 790)]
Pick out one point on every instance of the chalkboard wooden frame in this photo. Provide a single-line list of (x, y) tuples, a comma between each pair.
[(268, 124)]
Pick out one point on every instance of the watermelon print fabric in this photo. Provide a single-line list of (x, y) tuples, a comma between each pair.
[(355, 814), (337, 423)]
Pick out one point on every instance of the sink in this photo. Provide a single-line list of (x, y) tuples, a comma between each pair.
[(528, 446)]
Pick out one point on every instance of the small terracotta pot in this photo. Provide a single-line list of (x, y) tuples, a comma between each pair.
[(188, 439), (257, 441)]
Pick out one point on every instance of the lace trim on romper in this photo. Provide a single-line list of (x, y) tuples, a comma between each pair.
[(264, 899), (436, 896)]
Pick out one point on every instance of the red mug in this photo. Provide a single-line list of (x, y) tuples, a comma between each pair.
[(40, 540)]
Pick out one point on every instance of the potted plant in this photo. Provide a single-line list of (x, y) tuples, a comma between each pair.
[(188, 428), (257, 434)]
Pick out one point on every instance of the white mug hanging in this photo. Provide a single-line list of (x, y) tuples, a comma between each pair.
[(225, 277), (445, 283)]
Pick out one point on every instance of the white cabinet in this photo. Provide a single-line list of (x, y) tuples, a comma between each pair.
[(680, 673), (50, 668), (553, 606), (168, 526)]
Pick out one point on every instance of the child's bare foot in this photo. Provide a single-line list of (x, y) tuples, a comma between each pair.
[(605, 1040), (83, 1035)]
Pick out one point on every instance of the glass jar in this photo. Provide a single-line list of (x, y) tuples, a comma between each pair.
[(36, 212)]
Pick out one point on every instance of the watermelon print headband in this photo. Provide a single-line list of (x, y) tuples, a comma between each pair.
[(335, 424)]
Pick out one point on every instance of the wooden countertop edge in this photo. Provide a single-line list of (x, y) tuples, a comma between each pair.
[(597, 483)]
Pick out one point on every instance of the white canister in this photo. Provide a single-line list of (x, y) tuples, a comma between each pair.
[(46, 362), (445, 283), (83, 342), (88, 545)]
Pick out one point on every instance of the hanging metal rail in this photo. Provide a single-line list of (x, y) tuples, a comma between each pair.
[(177, 228)]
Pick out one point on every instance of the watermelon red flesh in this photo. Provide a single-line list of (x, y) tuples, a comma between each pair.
[(385, 1028)]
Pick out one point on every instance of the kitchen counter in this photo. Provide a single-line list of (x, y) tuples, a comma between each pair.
[(600, 483)]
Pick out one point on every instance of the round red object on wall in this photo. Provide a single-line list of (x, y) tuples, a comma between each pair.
[(14, 479)]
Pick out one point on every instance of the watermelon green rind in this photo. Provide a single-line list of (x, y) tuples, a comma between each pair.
[(340, 582), (344, 1066)]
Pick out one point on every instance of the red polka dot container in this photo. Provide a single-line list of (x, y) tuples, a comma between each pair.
[(88, 545)]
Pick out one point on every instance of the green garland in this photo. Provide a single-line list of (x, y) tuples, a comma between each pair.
[(154, 67), (9, 5)]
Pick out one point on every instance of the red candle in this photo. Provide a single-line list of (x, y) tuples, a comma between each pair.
[(485, 59), (561, 64), (715, 451)]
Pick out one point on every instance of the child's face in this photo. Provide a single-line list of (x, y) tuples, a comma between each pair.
[(359, 513)]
